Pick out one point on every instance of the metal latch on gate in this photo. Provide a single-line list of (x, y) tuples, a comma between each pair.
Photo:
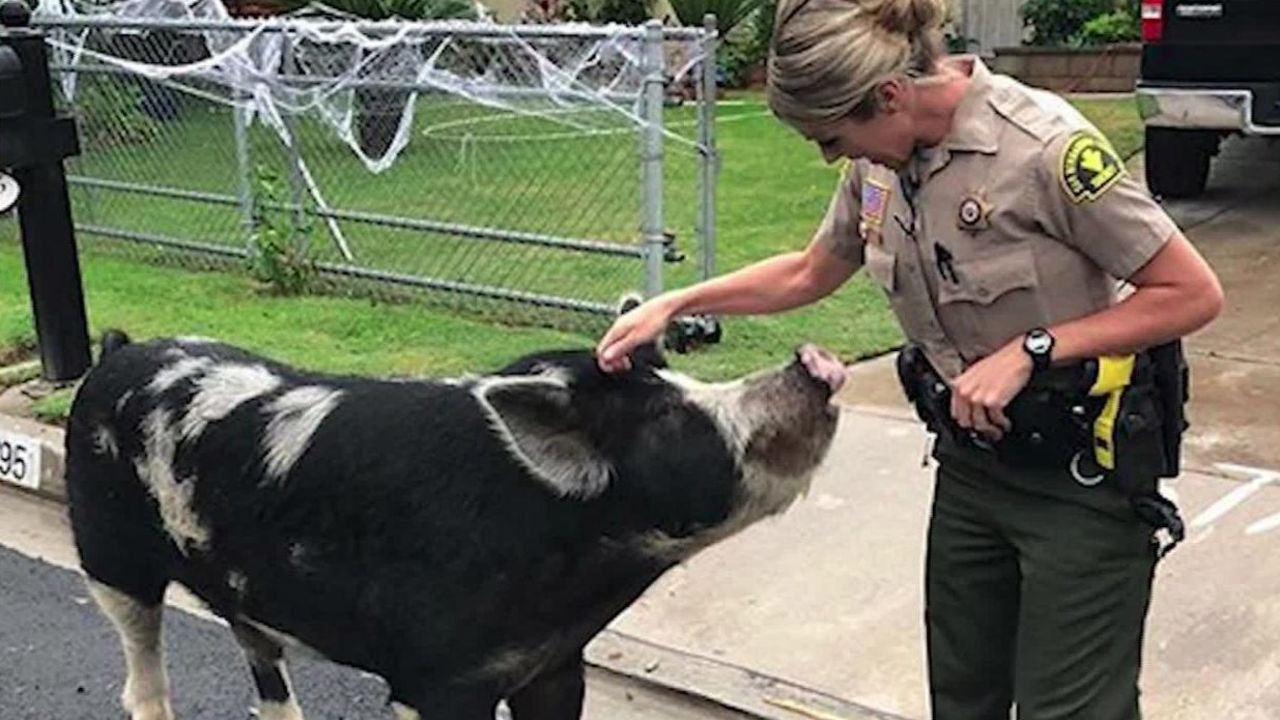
[(671, 253)]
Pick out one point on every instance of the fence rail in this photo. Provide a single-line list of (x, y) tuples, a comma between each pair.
[(536, 168)]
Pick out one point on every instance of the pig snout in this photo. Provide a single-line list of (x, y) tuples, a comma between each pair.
[(820, 366)]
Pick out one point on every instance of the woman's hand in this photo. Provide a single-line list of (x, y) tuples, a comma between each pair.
[(642, 324), (980, 394)]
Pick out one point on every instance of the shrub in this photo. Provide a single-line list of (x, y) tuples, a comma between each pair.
[(1118, 26), (1068, 22), (622, 12)]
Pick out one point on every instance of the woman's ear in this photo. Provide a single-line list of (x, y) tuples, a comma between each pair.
[(891, 96)]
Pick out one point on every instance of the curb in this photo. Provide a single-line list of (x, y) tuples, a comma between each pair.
[(662, 669), (22, 431)]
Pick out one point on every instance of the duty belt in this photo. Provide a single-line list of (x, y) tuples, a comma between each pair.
[(1111, 418)]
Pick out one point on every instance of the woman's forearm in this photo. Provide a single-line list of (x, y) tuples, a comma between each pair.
[(1175, 296)]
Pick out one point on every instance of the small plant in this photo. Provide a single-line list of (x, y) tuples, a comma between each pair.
[(279, 240)]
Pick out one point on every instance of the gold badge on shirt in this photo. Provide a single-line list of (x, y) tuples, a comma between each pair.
[(1090, 167), (875, 204), (974, 213)]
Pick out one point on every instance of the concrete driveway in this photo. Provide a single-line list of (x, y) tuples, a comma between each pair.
[(1235, 407)]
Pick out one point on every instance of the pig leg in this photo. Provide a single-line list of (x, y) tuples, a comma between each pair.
[(266, 662), (146, 687), (553, 695)]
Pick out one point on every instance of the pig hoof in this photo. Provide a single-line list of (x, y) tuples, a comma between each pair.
[(153, 709)]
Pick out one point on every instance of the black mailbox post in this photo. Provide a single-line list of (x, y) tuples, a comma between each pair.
[(33, 144)]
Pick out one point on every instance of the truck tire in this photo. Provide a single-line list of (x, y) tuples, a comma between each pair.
[(1177, 160)]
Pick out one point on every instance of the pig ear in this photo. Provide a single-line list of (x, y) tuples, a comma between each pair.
[(535, 418)]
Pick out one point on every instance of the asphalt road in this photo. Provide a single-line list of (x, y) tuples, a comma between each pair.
[(59, 658)]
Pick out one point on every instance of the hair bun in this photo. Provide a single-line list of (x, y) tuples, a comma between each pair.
[(908, 17)]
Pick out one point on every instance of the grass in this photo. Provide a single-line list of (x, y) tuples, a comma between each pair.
[(1118, 120), (773, 191)]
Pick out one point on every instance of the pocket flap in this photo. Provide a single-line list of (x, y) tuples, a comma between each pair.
[(982, 280)]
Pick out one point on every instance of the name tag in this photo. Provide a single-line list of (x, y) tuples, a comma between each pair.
[(19, 460)]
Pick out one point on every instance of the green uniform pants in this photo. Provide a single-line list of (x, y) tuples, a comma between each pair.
[(1037, 590)]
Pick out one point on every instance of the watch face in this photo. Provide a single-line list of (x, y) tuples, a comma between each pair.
[(1039, 342)]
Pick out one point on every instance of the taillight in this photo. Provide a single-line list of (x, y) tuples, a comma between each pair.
[(1152, 20)]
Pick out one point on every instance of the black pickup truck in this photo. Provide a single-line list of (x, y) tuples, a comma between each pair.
[(1209, 69)]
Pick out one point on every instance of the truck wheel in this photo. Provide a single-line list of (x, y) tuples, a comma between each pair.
[(1178, 160)]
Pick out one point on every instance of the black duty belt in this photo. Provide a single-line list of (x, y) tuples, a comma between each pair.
[(1117, 419)]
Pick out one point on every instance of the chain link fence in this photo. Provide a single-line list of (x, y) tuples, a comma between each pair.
[(531, 174)]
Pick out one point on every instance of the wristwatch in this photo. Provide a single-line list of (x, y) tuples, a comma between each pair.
[(1038, 343)]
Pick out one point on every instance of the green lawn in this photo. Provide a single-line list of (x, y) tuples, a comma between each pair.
[(1118, 120), (773, 191)]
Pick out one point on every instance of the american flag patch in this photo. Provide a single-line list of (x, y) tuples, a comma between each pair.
[(875, 201)]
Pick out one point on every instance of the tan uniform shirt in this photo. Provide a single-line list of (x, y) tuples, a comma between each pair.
[(1022, 217)]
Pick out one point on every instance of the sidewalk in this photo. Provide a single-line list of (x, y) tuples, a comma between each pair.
[(829, 594)]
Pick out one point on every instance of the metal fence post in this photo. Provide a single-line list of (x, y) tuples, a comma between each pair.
[(653, 230), (297, 184), (708, 155), (244, 173)]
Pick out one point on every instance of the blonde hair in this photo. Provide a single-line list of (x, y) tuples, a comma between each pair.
[(828, 56)]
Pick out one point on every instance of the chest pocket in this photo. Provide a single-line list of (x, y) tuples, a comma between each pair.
[(880, 266), (984, 280), (993, 298)]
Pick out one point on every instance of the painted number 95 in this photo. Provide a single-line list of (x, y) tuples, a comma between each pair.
[(18, 461)]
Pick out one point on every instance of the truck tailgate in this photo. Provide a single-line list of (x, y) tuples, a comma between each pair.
[(1216, 41)]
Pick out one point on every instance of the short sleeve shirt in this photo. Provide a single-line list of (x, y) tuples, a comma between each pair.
[(1023, 216)]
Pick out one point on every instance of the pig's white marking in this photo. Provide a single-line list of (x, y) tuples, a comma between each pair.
[(295, 417), (723, 402), (223, 389), (287, 710), (124, 400), (171, 375), (404, 712), (765, 492), (104, 442), (238, 582), (155, 469), (146, 687)]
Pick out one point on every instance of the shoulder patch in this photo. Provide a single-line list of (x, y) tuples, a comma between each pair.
[(1089, 167)]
